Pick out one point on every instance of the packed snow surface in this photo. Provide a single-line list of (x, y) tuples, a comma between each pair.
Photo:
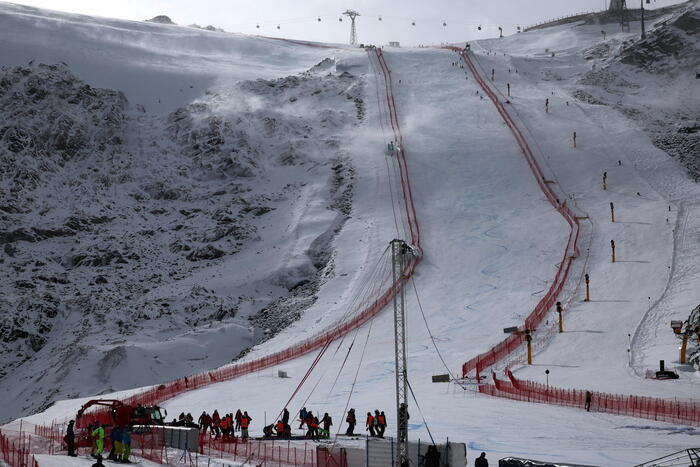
[(490, 239)]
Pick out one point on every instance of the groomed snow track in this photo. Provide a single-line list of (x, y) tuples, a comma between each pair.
[(156, 395), (672, 411)]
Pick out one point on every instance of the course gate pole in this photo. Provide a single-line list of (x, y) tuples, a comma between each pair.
[(561, 318), (588, 289), (612, 213), (612, 247)]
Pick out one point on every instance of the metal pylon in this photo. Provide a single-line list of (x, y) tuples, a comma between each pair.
[(619, 8), (399, 252), (353, 32)]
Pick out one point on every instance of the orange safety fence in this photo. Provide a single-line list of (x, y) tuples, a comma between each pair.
[(652, 408), (17, 453), (537, 315), (148, 445)]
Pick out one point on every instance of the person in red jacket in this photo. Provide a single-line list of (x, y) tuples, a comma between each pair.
[(352, 421), (370, 424), (381, 423), (245, 423)]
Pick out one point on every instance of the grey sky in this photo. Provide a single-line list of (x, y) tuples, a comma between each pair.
[(299, 19)]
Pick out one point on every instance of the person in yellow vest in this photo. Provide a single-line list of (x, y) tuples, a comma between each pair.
[(99, 436)]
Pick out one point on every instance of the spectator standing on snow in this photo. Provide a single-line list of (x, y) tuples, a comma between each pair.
[(351, 420), (98, 435), (432, 457), (381, 424), (215, 422), (589, 398), (481, 461), (285, 416), (70, 439), (302, 417), (327, 423), (245, 423), (238, 417), (116, 437), (126, 445)]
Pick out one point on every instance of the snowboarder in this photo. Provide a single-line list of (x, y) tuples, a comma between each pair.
[(481, 461), (589, 398), (369, 425), (70, 439), (302, 417), (432, 457), (351, 420)]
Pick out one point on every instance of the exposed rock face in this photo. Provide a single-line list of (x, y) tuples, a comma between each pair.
[(112, 221)]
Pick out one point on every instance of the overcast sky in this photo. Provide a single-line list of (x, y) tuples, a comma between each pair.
[(299, 18)]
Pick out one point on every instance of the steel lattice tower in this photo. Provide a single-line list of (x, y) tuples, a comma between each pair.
[(399, 252), (619, 8), (353, 32)]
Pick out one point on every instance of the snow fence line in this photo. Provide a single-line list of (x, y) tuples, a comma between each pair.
[(17, 454), (156, 395), (513, 341), (651, 408)]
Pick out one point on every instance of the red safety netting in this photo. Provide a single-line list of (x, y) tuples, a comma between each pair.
[(652, 408), (270, 452), (148, 445), (17, 452), (535, 318)]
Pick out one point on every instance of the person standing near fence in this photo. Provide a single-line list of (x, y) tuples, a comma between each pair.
[(481, 461), (98, 435), (70, 439), (116, 437), (327, 423), (369, 424), (215, 423), (351, 421), (245, 423), (589, 399), (285, 416), (126, 445), (238, 417), (381, 423), (302, 417)]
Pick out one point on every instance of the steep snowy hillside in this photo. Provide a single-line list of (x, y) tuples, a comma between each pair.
[(139, 247)]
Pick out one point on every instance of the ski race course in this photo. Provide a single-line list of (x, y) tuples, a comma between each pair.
[(505, 217)]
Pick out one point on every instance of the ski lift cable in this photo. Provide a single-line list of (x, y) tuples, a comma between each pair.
[(354, 382), (369, 293), (365, 293), (420, 411), (430, 333)]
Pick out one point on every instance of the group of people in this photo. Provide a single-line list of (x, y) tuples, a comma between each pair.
[(376, 424), (225, 426), (119, 436)]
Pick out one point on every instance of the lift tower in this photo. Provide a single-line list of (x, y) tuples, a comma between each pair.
[(399, 254), (619, 9), (353, 32)]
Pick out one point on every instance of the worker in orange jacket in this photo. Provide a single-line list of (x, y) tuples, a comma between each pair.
[(245, 423), (370, 424), (381, 423)]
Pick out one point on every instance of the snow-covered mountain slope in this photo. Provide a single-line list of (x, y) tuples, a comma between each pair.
[(491, 246), (140, 246)]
